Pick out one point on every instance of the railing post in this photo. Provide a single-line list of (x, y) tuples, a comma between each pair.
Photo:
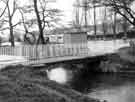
[(50, 51), (56, 51)]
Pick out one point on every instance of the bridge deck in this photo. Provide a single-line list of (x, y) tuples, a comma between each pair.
[(41, 62)]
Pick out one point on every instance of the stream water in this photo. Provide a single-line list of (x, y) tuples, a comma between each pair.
[(113, 87), (110, 87)]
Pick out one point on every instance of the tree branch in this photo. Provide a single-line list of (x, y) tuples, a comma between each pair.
[(9, 27), (127, 18), (3, 11), (14, 8)]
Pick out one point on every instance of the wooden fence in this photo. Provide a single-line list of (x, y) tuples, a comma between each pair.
[(33, 52)]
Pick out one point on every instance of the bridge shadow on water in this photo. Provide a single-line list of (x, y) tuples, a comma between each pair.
[(91, 77), (113, 87), (82, 77)]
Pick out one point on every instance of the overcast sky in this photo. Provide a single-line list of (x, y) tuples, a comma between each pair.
[(67, 7)]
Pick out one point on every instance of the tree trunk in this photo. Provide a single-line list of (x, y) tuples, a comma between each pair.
[(77, 20), (11, 30), (41, 34), (85, 13), (104, 23), (11, 34), (114, 26), (95, 28), (125, 25), (10, 27)]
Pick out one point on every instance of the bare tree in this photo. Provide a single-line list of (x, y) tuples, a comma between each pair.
[(95, 4), (114, 24), (3, 10), (122, 7), (45, 17), (104, 24), (27, 24), (9, 13), (41, 33)]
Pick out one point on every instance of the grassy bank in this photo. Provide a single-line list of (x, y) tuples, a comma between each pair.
[(127, 54), (26, 84)]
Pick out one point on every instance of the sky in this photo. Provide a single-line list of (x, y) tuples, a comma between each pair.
[(67, 9), (66, 6)]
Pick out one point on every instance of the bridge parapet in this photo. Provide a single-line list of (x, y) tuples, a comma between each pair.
[(33, 52)]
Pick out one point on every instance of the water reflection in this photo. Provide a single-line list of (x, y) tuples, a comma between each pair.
[(117, 94), (110, 87), (60, 75)]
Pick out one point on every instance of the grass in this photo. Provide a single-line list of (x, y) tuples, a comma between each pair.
[(27, 84)]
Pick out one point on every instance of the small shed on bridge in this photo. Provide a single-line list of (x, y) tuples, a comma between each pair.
[(75, 37), (68, 36)]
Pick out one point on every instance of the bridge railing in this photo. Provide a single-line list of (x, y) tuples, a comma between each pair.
[(34, 52)]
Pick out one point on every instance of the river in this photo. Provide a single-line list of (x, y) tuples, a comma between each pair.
[(110, 87)]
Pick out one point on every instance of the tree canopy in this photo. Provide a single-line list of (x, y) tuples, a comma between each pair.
[(122, 7), (34, 13)]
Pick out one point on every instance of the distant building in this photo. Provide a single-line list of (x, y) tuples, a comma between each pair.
[(67, 36), (54, 38)]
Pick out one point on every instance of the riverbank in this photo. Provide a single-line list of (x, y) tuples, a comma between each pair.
[(122, 61), (127, 54), (27, 84)]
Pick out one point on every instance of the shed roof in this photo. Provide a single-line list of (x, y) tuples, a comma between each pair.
[(71, 30)]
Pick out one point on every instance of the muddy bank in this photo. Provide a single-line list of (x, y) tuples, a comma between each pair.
[(27, 84)]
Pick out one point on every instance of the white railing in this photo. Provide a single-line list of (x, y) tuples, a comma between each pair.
[(32, 52)]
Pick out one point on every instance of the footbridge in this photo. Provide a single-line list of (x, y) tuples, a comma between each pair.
[(35, 55)]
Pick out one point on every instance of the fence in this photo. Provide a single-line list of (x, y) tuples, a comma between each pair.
[(34, 52)]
